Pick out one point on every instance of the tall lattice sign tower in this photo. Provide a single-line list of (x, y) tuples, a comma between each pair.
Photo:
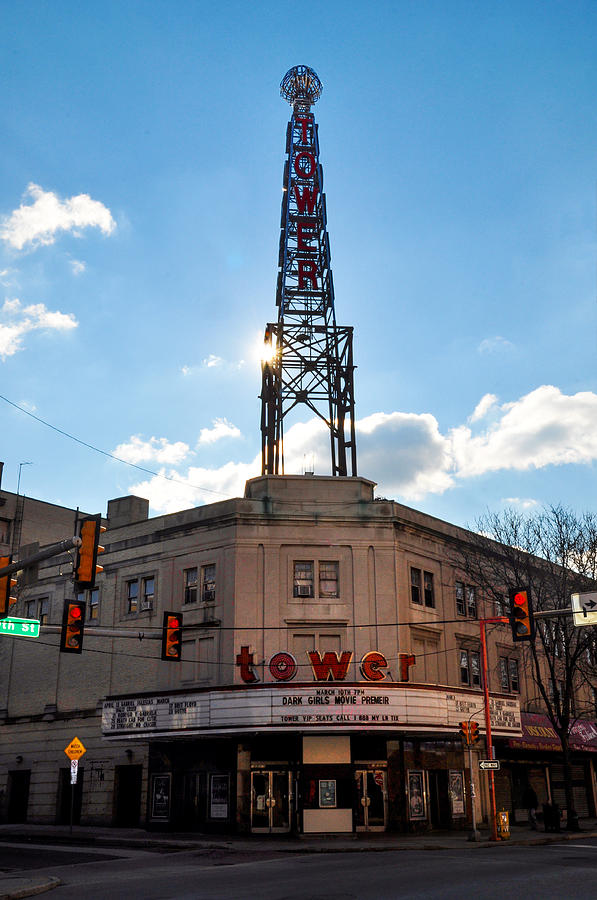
[(308, 357)]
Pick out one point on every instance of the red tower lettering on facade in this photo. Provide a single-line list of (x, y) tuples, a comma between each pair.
[(309, 357)]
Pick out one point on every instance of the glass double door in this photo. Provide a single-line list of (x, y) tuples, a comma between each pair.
[(371, 792), (271, 800)]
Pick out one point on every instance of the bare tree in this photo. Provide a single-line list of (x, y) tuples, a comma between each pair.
[(553, 553)]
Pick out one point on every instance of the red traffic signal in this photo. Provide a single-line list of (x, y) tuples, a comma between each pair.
[(86, 567), (464, 731), (172, 636), (7, 582), (474, 732), (521, 616), (73, 623)]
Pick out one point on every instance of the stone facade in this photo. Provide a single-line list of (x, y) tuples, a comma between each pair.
[(299, 565)]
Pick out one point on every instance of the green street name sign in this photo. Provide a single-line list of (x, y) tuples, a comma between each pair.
[(19, 627)]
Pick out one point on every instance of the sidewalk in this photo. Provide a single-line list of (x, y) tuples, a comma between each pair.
[(16, 886)]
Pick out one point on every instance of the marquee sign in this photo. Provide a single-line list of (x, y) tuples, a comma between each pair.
[(351, 706)]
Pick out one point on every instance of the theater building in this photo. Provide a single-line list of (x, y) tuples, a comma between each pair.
[(330, 651)]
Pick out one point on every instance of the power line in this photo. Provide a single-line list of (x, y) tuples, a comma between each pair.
[(119, 459)]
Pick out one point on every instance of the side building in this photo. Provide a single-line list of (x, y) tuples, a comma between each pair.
[(330, 650)]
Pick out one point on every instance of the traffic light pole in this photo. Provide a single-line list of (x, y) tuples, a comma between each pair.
[(499, 620), (47, 553)]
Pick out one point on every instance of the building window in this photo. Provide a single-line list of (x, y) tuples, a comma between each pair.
[(148, 592), (428, 589), (91, 599), (415, 585), (303, 579), (328, 580), (208, 583), (509, 677), (31, 609), (4, 531), (470, 668), (132, 595), (501, 606), (460, 606), (594, 701), (190, 585), (466, 600), (43, 610), (471, 602)]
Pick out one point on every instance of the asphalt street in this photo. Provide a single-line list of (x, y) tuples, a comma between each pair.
[(559, 870)]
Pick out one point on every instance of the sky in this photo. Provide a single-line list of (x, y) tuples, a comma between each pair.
[(140, 189)]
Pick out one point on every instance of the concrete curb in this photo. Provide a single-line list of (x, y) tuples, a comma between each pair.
[(14, 888)]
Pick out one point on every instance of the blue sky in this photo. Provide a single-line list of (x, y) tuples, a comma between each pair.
[(140, 188)]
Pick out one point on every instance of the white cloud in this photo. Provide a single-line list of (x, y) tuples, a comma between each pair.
[(222, 428), (407, 454), (495, 344), (521, 502), (543, 428), (17, 320), (213, 362), (39, 222), (77, 266), (483, 407), (158, 450)]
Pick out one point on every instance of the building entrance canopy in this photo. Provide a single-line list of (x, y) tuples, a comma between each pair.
[(305, 708), (539, 734)]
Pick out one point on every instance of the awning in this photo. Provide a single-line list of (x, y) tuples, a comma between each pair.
[(539, 734)]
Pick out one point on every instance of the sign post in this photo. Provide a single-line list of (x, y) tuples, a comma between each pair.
[(74, 751)]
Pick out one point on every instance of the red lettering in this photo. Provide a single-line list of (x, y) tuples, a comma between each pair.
[(306, 200), (283, 666), (307, 172), (304, 233), (304, 123), (307, 272), (371, 663), (405, 660), (245, 661), (330, 668)]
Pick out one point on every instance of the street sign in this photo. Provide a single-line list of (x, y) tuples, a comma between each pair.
[(75, 749), (585, 609), (19, 627), (74, 768), (489, 763)]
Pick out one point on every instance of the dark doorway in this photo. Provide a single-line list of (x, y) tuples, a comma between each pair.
[(439, 800), (127, 801), (18, 795), (66, 790)]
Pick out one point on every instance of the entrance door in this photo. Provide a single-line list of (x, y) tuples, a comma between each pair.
[(371, 799), (270, 801), (18, 795), (439, 799), (128, 795)]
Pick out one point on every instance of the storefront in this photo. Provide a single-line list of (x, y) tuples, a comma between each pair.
[(535, 759), (309, 758)]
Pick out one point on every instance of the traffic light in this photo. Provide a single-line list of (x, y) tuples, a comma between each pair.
[(474, 732), (172, 636), (521, 616), (464, 731), (86, 567), (73, 622), (7, 582)]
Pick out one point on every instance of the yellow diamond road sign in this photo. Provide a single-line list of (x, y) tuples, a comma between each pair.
[(75, 749)]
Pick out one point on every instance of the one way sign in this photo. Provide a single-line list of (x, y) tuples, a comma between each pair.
[(585, 609)]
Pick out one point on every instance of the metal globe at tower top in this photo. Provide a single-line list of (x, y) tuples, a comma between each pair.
[(301, 87)]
